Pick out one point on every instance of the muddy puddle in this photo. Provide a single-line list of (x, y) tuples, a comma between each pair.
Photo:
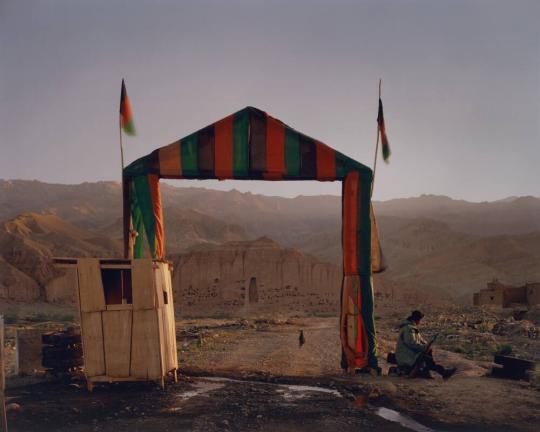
[(291, 392), (406, 422), (361, 402), (202, 404), (201, 388)]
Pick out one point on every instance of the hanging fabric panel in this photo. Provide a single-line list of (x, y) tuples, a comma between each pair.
[(240, 144), (275, 149), (326, 162), (170, 164), (224, 148), (292, 153), (189, 156), (257, 143), (205, 152)]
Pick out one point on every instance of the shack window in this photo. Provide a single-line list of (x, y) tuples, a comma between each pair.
[(117, 286)]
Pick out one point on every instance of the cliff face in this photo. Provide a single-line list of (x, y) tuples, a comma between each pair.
[(16, 285), (27, 245), (240, 278)]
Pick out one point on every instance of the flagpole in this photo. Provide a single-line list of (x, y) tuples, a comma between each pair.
[(121, 146), (125, 194), (376, 145)]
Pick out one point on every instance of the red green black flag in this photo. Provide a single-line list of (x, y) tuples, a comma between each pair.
[(382, 131), (126, 116)]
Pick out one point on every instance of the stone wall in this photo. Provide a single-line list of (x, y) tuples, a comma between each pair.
[(502, 295), (515, 295), (533, 293), (493, 296)]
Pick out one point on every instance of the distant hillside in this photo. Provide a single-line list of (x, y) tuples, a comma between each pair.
[(29, 241), (94, 205), (434, 258), (515, 215), (435, 244), (88, 205), (185, 228)]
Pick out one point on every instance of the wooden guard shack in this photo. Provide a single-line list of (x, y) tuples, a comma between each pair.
[(127, 319)]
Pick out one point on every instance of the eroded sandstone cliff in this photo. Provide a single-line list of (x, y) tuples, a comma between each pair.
[(242, 278)]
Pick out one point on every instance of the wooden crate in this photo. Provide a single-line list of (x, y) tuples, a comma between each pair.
[(127, 319)]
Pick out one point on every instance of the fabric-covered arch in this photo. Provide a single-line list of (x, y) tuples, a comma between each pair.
[(251, 145)]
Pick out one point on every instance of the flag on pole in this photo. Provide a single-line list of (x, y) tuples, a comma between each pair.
[(126, 116), (382, 131)]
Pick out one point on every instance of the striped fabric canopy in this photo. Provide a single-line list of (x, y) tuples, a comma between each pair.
[(247, 145), (251, 145)]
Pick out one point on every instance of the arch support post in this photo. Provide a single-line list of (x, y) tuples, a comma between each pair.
[(357, 324)]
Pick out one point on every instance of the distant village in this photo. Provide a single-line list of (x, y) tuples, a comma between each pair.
[(502, 295)]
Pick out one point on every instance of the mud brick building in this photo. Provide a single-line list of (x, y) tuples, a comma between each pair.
[(503, 295)]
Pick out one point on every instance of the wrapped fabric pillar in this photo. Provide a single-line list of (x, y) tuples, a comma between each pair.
[(146, 211), (357, 326)]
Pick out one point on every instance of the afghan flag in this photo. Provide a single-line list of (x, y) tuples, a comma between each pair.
[(126, 116), (382, 131)]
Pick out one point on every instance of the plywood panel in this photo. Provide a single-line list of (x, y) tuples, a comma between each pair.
[(169, 322), (166, 344), (117, 342), (91, 294), (162, 345), (145, 347), (162, 294), (92, 339), (172, 321), (142, 274), (169, 340), (159, 284)]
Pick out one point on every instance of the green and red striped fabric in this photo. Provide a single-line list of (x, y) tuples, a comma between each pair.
[(250, 144)]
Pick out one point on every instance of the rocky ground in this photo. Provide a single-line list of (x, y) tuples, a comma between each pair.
[(252, 375)]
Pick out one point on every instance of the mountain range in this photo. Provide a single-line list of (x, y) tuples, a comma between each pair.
[(434, 244)]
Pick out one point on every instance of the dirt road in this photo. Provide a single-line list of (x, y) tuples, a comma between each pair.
[(270, 349), (270, 372), (263, 347)]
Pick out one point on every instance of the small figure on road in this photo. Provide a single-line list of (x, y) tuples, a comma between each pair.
[(301, 339), (414, 354)]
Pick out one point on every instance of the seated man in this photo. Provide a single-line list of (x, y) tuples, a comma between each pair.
[(413, 351)]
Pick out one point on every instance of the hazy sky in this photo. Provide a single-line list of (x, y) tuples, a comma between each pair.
[(461, 86)]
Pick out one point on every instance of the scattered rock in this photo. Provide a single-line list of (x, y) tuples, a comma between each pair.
[(13, 408), (375, 393), (384, 388)]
